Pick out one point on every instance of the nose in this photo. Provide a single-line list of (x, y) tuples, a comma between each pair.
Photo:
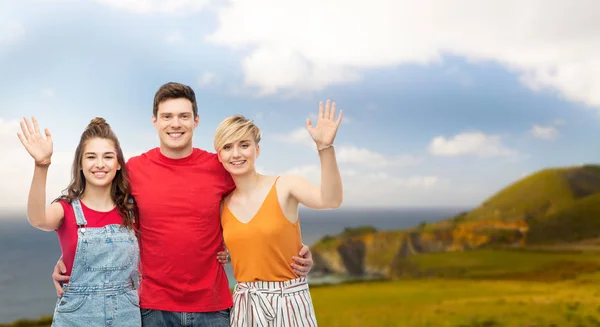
[(100, 162), (236, 152), (175, 122)]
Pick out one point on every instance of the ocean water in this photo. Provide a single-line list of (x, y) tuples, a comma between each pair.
[(28, 255)]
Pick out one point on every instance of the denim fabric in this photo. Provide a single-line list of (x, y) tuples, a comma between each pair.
[(158, 318), (101, 290)]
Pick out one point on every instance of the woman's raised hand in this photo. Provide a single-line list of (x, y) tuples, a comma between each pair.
[(39, 148)]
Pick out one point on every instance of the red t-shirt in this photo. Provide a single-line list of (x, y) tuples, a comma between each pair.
[(180, 230), (67, 232)]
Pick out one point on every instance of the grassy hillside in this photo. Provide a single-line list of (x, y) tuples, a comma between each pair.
[(540, 194), (576, 222), (490, 264)]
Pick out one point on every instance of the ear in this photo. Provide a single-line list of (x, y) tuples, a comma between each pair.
[(196, 121), (257, 150), (154, 120)]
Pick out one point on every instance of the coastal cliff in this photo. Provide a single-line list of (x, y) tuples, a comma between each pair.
[(551, 207)]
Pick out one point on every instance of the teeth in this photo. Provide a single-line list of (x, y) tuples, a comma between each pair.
[(99, 174), (175, 134), (237, 163)]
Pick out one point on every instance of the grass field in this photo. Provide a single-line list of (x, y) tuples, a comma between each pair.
[(486, 288), (445, 302), (506, 264)]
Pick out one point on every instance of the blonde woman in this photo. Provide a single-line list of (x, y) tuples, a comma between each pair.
[(261, 226)]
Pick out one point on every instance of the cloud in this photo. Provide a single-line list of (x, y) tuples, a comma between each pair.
[(425, 181), (298, 136), (273, 68), (347, 154), (157, 6), (364, 157), (309, 45), (469, 143), (547, 133), (413, 181), (208, 79), (173, 38), (375, 189), (8, 134), (11, 32)]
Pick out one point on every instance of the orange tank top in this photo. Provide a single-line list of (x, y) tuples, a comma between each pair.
[(262, 249)]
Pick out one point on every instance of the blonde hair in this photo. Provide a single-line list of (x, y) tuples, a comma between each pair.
[(235, 128)]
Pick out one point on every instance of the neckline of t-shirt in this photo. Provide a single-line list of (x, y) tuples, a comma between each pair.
[(196, 152), (97, 211)]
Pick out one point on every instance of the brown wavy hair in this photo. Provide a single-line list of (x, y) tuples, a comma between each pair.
[(120, 189)]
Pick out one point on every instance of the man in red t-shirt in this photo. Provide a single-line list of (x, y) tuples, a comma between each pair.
[(178, 189)]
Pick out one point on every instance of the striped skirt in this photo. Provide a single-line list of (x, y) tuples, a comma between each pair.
[(273, 304)]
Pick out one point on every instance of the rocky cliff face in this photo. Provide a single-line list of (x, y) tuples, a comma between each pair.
[(380, 254)]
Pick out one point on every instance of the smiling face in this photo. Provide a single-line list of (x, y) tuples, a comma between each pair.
[(237, 144), (175, 124), (239, 157), (99, 162)]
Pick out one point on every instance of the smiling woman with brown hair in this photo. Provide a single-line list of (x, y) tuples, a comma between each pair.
[(94, 222)]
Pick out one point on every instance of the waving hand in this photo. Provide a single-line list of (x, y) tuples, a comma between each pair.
[(324, 132), (39, 148)]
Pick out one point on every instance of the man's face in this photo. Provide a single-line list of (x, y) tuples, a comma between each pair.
[(175, 124)]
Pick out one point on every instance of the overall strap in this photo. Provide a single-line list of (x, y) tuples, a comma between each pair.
[(79, 217)]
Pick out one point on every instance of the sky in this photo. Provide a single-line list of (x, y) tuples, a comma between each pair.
[(445, 102)]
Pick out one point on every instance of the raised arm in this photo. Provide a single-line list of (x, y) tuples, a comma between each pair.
[(329, 194), (40, 149)]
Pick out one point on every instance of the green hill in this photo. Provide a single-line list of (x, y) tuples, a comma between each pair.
[(557, 206), (576, 222), (541, 194)]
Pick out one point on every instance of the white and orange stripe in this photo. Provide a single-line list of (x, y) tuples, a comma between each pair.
[(273, 304)]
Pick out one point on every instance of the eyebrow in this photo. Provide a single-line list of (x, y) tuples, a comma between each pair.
[(95, 153), (240, 141), (181, 113)]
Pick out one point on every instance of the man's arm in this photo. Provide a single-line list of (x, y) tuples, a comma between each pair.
[(59, 277), (302, 265)]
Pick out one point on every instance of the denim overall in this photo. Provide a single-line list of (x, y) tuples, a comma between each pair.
[(101, 290)]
